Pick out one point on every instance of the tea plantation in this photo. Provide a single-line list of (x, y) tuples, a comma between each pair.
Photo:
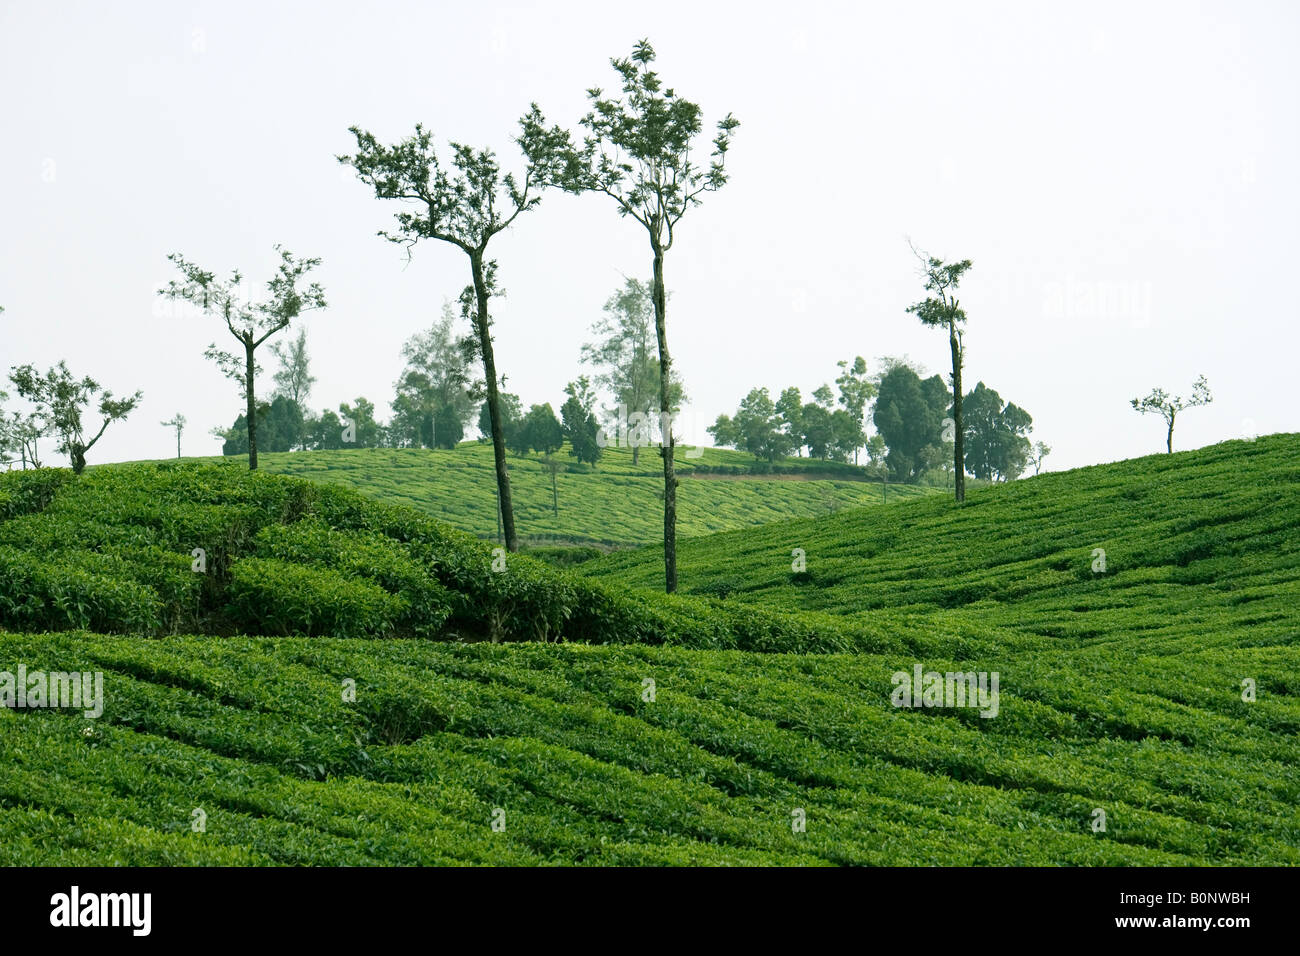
[(617, 504), (375, 719)]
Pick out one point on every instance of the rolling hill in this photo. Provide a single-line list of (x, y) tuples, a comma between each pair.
[(618, 504), (754, 722)]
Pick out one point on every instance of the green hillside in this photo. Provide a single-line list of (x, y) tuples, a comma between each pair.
[(1201, 545), (617, 504), (254, 734), (771, 699)]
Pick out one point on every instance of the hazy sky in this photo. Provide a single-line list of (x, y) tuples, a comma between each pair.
[(1122, 175)]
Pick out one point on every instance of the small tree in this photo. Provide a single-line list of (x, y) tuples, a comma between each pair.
[(24, 432), (553, 466), (638, 153), (877, 456), (465, 209), (177, 422), (578, 418), (624, 353), (361, 430), (725, 433), (59, 400), (1037, 454), (758, 427), (942, 310), (1168, 406), (293, 379), (541, 430), (250, 324), (19, 433)]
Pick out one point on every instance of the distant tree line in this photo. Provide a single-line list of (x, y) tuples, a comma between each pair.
[(913, 420)]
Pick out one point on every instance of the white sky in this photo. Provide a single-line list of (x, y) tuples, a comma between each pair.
[(1123, 176)]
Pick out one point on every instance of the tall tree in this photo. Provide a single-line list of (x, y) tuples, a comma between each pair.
[(465, 208), (250, 323), (996, 442), (906, 420), (941, 309), (1167, 406), (789, 411), (177, 422), (60, 398), (638, 153), (856, 390)]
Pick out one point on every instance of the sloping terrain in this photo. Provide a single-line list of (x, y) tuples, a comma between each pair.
[(559, 745), (617, 504), (376, 721), (1202, 545)]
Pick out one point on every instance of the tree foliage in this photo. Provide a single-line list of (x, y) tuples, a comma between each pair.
[(1159, 402), (60, 400), (249, 323), (638, 152)]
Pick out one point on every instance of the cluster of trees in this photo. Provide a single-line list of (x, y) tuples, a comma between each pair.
[(432, 406), (913, 419), (831, 426)]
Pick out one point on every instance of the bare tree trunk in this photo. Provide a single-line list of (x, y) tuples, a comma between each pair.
[(665, 378), (959, 448), (505, 505), (1169, 438), (251, 411)]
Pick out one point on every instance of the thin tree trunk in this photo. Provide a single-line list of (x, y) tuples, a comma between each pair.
[(1169, 438), (505, 505), (959, 448), (251, 411), (665, 378)]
